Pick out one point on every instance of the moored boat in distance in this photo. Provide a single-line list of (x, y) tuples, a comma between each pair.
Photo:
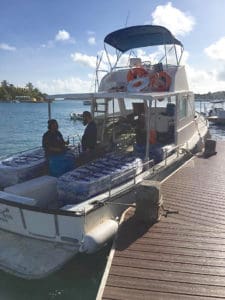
[(76, 116), (146, 125), (86, 102), (216, 113)]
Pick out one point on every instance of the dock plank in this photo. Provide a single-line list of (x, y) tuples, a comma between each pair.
[(179, 288), (167, 275), (172, 257), (123, 293), (152, 264), (183, 255)]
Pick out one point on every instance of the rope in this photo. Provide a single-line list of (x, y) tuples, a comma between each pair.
[(168, 211), (98, 202), (196, 125)]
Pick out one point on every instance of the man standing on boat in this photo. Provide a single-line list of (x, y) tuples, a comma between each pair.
[(52, 140), (89, 138), (58, 158)]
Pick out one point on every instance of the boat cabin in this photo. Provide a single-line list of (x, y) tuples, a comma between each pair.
[(170, 119)]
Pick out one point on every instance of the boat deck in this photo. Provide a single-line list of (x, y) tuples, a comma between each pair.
[(183, 255)]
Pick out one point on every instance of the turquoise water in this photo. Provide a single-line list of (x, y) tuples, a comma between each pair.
[(77, 280), (21, 128), (23, 124)]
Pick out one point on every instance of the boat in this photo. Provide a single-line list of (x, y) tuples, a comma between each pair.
[(86, 102), (147, 126), (216, 113), (76, 116), (26, 99)]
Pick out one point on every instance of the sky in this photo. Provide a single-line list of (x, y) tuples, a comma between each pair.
[(54, 43)]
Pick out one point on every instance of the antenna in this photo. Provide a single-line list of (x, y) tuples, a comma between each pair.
[(128, 15)]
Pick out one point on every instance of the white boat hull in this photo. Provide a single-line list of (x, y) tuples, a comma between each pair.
[(31, 258), (216, 120)]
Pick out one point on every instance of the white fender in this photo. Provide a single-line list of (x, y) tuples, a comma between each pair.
[(98, 236)]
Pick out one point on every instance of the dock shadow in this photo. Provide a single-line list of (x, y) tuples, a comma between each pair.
[(206, 155), (130, 231)]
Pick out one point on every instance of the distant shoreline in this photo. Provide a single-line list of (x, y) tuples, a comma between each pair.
[(23, 101)]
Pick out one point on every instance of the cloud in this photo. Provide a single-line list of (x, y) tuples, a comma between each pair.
[(91, 40), (221, 74), (62, 35), (69, 85), (178, 22), (89, 32), (7, 47), (201, 81), (84, 59), (181, 23), (216, 50), (50, 44)]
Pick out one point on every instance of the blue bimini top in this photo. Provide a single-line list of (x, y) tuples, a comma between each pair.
[(140, 36)]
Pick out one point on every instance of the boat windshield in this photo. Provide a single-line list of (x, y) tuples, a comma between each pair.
[(151, 44)]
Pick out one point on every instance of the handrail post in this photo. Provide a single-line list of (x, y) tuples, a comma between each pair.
[(166, 154), (49, 110), (134, 176), (110, 186)]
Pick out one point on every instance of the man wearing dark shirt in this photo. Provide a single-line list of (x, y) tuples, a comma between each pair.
[(59, 160), (89, 137), (52, 140), (89, 140)]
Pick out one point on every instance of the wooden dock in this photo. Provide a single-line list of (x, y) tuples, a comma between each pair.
[(183, 255)]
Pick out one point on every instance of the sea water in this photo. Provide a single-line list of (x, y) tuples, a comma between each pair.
[(217, 132), (21, 127), (79, 279), (23, 124)]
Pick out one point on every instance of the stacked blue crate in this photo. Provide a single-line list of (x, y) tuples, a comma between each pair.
[(21, 167), (97, 177)]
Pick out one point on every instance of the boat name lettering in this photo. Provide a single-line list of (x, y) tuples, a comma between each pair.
[(4, 215)]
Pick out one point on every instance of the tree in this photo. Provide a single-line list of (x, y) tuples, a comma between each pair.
[(30, 86), (4, 83), (9, 91)]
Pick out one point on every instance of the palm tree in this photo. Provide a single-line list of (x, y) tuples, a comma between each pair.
[(30, 86)]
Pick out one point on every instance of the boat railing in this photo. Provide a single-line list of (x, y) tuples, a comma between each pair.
[(3, 157), (168, 152), (134, 176), (74, 140)]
